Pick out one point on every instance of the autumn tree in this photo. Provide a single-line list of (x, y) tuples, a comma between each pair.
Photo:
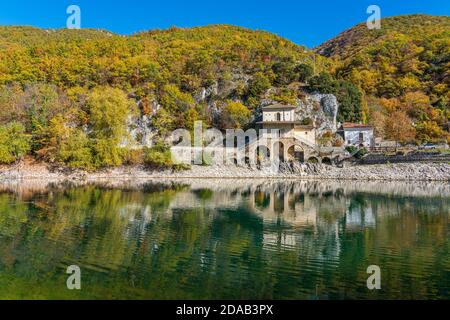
[(14, 142), (258, 85), (398, 127), (109, 109), (234, 115), (430, 131)]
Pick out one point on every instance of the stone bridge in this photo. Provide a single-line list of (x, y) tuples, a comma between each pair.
[(291, 149), (282, 149)]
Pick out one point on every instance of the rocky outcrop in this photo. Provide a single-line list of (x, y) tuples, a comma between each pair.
[(321, 108), (140, 132)]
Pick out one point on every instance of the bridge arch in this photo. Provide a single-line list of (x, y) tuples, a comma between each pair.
[(279, 150), (327, 161), (263, 154), (313, 160), (296, 153)]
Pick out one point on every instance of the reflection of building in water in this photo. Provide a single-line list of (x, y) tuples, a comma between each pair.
[(359, 217), (285, 239), (292, 208)]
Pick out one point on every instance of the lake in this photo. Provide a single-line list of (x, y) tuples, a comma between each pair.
[(228, 239)]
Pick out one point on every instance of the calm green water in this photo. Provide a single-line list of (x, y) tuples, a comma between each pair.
[(232, 239)]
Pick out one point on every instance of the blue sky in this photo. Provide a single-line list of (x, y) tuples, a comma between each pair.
[(304, 22)]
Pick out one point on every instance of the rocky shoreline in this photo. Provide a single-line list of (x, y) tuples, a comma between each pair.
[(389, 172)]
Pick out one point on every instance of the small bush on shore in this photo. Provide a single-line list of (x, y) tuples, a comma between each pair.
[(14, 143), (133, 156), (358, 153), (158, 156), (76, 152)]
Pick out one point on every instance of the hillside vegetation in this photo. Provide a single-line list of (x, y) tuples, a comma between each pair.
[(71, 93), (404, 71), (72, 96)]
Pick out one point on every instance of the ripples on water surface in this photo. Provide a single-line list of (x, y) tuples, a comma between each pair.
[(232, 239)]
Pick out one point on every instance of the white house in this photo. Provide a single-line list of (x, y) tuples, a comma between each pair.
[(359, 135)]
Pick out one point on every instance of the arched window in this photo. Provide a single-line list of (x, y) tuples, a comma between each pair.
[(278, 116)]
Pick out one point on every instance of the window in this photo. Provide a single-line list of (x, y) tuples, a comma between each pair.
[(361, 137), (278, 116)]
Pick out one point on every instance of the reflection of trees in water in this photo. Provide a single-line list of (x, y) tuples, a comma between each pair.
[(173, 241)]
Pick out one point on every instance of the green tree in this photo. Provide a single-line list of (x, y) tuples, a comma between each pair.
[(14, 143), (234, 115), (42, 102), (347, 94), (304, 71), (163, 122), (174, 100), (350, 102), (285, 71), (76, 151), (258, 85), (109, 109), (68, 145), (323, 82)]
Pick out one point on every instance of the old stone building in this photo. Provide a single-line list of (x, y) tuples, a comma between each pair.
[(294, 140), (282, 117)]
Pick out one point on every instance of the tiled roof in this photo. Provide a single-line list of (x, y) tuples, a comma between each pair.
[(349, 125), (279, 106), (297, 124)]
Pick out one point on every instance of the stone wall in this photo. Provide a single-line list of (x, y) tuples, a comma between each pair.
[(412, 157)]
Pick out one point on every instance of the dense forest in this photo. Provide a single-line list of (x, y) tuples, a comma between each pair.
[(403, 69), (67, 96)]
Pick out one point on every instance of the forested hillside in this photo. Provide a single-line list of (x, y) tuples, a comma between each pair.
[(404, 71), (72, 92), (72, 96)]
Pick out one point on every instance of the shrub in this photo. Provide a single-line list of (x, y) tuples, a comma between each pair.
[(76, 151), (132, 156), (14, 143), (158, 156), (306, 121), (351, 149), (106, 153), (67, 145), (357, 153)]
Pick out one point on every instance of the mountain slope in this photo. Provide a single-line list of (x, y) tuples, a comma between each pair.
[(359, 37), (74, 91), (69, 95), (406, 64), (188, 57)]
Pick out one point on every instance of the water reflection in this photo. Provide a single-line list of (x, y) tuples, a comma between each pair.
[(229, 239)]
